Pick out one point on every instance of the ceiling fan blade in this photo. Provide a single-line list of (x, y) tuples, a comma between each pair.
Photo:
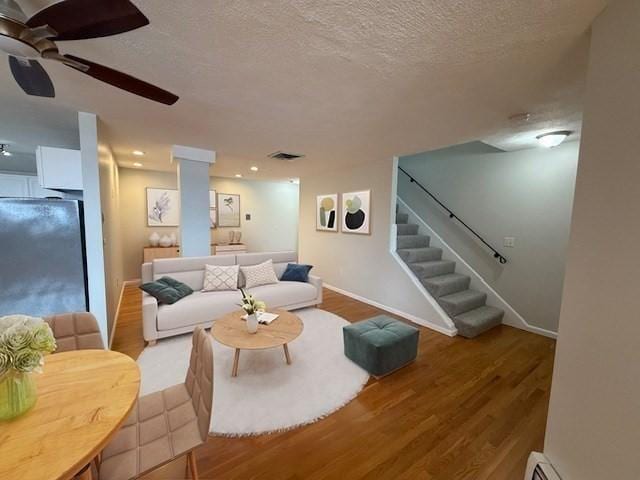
[(123, 81), (31, 77), (82, 19)]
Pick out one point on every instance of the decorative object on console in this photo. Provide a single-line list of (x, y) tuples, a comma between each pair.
[(261, 274), (252, 307), (167, 290), (174, 239), (154, 239), (165, 241), (228, 210), (356, 211), (163, 207), (296, 272), (213, 210), (24, 341), (237, 237), (326, 212), (231, 236), (220, 277)]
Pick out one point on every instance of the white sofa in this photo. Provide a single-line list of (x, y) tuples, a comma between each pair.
[(202, 308)]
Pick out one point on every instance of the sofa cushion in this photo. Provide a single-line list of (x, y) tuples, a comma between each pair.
[(189, 270), (261, 274), (296, 272), (199, 308), (283, 294), (167, 290), (219, 277)]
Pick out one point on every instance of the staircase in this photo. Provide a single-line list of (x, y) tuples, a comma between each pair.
[(467, 308)]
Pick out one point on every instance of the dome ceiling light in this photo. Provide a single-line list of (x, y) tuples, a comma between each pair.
[(553, 139)]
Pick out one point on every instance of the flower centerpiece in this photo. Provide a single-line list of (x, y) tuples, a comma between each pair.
[(24, 341), (252, 307)]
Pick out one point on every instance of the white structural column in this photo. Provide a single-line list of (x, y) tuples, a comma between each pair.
[(193, 183)]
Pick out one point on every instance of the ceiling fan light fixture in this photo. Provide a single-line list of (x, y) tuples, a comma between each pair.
[(553, 139)]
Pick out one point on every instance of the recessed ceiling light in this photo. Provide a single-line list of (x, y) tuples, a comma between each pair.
[(138, 153), (254, 169), (553, 139), (238, 175), (137, 164)]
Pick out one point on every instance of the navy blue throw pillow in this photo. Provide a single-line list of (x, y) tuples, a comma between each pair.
[(296, 272)]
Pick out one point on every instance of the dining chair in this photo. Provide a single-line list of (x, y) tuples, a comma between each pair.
[(167, 424), (75, 331)]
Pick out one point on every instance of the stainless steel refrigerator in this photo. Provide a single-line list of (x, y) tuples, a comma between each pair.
[(42, 257)]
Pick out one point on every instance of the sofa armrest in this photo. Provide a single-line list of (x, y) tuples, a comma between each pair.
[(317, 282), (149, 317)]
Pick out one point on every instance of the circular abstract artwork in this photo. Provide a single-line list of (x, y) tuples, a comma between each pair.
[(356, 212)]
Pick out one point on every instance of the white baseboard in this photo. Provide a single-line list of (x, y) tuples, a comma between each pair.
[(395, 311), (512, 317)]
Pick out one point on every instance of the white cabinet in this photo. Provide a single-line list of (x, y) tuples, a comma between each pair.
[(26, 186), (14, 185), (59, 168)]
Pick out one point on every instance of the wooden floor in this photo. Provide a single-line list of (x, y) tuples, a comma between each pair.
[(466, 409)]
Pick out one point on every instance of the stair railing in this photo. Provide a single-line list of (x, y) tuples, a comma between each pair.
[(497, 255)]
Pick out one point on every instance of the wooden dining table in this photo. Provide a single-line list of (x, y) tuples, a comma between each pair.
[(84, 396)]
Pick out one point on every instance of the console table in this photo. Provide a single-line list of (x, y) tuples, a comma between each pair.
[(152, 253)]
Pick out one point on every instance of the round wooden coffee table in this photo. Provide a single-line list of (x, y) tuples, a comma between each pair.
[(231, 330)]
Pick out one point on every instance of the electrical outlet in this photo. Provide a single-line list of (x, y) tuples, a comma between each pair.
[(510, 242)]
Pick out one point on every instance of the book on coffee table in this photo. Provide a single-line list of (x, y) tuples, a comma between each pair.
[(264, 318)]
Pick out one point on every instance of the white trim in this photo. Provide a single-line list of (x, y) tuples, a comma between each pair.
[(511, 317), (395, 311)]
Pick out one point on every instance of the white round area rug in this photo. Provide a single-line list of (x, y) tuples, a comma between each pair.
[(267, 395)]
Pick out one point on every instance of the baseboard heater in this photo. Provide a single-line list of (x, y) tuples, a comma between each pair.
[(539, 468)]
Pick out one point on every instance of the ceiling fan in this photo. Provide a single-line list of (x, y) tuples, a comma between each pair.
[(27, 39)]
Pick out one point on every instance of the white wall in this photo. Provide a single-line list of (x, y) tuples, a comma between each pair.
[(112, 240), (527, 194), (360, 264), (93, 220), (593, 430), (273, 207)]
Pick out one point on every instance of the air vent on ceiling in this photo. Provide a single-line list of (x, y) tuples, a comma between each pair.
[(285, 156)]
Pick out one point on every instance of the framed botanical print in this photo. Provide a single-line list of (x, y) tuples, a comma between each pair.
[(163, 207), (228, 205), (213, 210)]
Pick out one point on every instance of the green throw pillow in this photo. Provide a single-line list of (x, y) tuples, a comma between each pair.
[(167, 290)]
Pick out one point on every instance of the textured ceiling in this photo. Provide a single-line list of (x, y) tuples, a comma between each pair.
[(344, 82)]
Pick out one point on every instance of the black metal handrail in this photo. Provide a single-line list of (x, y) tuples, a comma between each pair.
[(501, 258)]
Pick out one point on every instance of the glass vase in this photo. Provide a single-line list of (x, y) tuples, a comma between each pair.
[(17, 394)]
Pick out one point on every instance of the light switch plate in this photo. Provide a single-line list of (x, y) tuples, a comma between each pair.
[(510, 242)]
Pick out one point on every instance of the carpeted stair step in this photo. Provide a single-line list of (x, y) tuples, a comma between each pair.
[(402, 218), (461, 302), (412, 241), (416, 255), (474, 322), (446, 284), (407, 229), (433, 268)]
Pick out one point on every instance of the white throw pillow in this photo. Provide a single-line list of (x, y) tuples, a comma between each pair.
[(219, 277), (261, 274)]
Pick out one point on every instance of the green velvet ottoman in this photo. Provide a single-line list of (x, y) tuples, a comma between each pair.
[(381, 344)]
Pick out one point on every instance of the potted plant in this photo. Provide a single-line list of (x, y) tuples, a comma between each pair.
[(24, 341), (252, 307)]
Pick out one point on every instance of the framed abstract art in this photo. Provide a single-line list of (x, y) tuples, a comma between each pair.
[(356, 212), (327, 212)]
